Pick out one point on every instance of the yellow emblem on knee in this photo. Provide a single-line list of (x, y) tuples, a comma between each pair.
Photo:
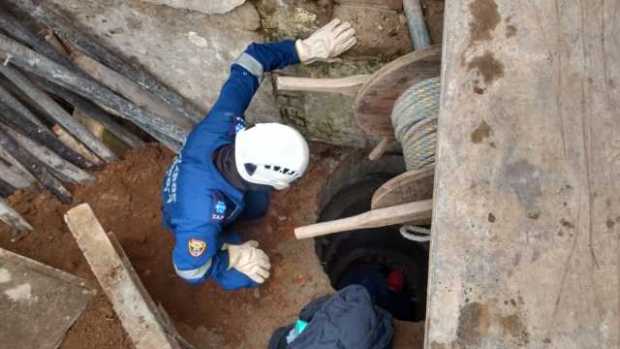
[(196, 247)]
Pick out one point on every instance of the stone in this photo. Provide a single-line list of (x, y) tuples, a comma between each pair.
[(204, 6)]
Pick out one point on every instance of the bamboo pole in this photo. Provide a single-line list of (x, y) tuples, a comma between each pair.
[(29, 60), (57, 113), (6, 188)]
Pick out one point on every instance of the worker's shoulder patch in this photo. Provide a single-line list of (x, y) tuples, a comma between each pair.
[(196, 247), (218, 210)]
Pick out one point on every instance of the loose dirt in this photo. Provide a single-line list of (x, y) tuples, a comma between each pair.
[(125, 198)]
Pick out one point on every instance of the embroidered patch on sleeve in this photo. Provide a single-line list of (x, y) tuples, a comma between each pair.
[(218, 212), (196, 247)]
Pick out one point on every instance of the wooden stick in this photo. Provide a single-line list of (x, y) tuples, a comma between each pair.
[(133, 305), (6, 188), (61, 168), (13, 103), (13, 219), (41, 134), (66, 29), (88, 108), (12, 175), (15, 28), (378, 151), (57, 113), (125, 87), (419, 211), (29, 60), (345, 86), (70, 141), (13, 171), (35, 167)]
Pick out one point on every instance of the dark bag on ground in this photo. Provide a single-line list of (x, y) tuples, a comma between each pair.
[(347, 319)]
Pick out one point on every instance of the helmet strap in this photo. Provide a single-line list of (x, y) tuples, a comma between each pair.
[(224, 160)]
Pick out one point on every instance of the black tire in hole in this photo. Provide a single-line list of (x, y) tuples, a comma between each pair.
[(383, 248)]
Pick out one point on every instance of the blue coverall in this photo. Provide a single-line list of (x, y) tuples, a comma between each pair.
[(198, 202)]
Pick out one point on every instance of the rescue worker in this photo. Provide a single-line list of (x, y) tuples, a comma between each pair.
[(226, 170)]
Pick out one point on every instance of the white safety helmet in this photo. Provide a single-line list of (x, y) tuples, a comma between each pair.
[(271, 154)]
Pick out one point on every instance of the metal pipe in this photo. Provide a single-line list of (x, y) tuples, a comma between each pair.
[(417, 26)]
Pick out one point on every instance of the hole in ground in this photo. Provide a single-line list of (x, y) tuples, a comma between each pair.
[(393, 269)]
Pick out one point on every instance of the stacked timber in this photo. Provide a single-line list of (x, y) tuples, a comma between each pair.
[(61, 91)]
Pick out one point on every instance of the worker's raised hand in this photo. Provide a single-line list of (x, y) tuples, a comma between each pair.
[(326, 43), (248, 259)]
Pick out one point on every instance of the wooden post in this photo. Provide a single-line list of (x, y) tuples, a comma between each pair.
[(68, 32), (92, 111), (35, 167), (133, 305), (29, 60), (419, 211), (57, 113), (71, 142), (13, 219)]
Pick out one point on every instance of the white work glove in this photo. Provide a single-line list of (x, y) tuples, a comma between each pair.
[(326, 43), (249, 260)]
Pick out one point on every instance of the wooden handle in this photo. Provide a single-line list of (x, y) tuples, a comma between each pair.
[(345, 86), (381, 148), (418, 211)]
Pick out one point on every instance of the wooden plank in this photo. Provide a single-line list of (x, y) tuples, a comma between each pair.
[(41, 302), (386, 4), (526, 225), (57, 113), (345, 86), (134, 307), (13, 219), (375, 100), (410, 186), (419, 211)]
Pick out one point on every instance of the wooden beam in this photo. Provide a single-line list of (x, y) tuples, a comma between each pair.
[(66, 29), (41, 134), (419, 211), (133, 305), (125, 87), (93, 111), (345, 86), (170, 134), (57, 113), (61, 168), (35, 167)]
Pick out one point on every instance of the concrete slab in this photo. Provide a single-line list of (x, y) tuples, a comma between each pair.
[(38, 303), (526, 234)]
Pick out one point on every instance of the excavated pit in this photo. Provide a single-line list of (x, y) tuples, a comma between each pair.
[(351, 257)]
